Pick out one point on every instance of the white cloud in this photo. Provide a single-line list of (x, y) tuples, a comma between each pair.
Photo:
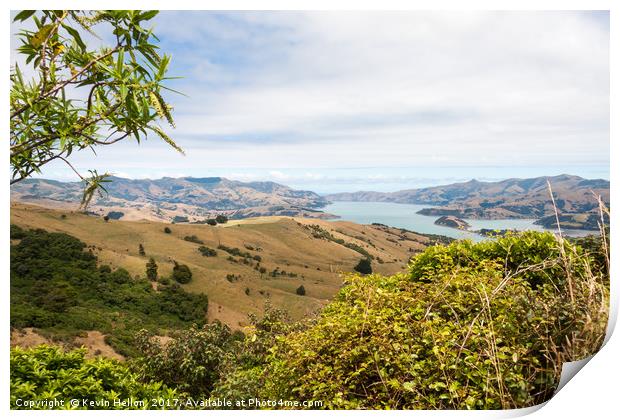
[(364, 89), (489, 82)]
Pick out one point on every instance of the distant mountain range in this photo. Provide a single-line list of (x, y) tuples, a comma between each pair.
[(511, 198), (166, 198), (196, 199)]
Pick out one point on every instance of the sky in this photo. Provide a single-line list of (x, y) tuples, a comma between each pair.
[(347, 101)]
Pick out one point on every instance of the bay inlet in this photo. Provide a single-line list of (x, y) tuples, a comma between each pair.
[(405, 216)]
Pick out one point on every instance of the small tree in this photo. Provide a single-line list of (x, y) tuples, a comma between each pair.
[(151, 270), (364, 266), (301, 290), (141, 250), (220, 218), (211, 222), (181, 273), (106, 218), (167, 230)]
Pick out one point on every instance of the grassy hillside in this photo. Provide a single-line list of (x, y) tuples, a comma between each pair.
[(304, 251)]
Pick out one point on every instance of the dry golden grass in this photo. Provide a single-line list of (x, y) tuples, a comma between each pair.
[(283, 242)]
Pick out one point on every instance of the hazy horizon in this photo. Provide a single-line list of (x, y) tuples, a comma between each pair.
[(339, 184)]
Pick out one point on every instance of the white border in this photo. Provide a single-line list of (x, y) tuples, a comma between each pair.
[(592, 394)]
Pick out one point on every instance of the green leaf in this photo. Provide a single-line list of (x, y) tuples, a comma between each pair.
[(23, 15), (76, 36), (149, 15), (166, 138)]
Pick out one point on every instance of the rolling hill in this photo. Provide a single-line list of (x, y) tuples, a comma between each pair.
[(163, 199), (293, 251)]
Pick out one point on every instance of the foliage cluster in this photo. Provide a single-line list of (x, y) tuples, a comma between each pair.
[(207, 252), (47, 372), (151, 270), (181, 273), (80, 97), (194, 239), (238, 253), (482, 325), (364, 266), (320, 233), (190, 361)]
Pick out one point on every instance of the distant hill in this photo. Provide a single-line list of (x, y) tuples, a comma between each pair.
[(163, 199), (511, 198)]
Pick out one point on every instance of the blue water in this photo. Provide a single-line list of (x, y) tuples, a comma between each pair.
[(405, 216)]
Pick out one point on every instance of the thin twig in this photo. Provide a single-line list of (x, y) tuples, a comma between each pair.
[(561, 243)]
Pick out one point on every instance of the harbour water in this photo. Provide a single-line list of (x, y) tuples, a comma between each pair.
[(405, 216)]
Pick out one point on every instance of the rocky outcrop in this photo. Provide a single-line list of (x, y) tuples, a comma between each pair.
[(453, 222)]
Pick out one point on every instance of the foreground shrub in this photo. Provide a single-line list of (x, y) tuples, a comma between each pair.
[(47, 373), (478, 326), (190, 361), (242, 372)]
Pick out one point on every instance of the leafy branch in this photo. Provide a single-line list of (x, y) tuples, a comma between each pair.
[(80, 98)]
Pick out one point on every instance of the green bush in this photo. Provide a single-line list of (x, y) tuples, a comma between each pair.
[(478, 326), (206, 251), (235, 251), (181, 273), (190, 362), (364, 266), (47, 373), (17, 232), (242, 371), (151, 270), (194, 239)]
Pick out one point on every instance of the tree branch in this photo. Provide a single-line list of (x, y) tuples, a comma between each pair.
[(71, 166), (66, 82), (24, 147)]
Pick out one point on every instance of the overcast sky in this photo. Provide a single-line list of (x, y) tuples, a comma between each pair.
[(339, 101)]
